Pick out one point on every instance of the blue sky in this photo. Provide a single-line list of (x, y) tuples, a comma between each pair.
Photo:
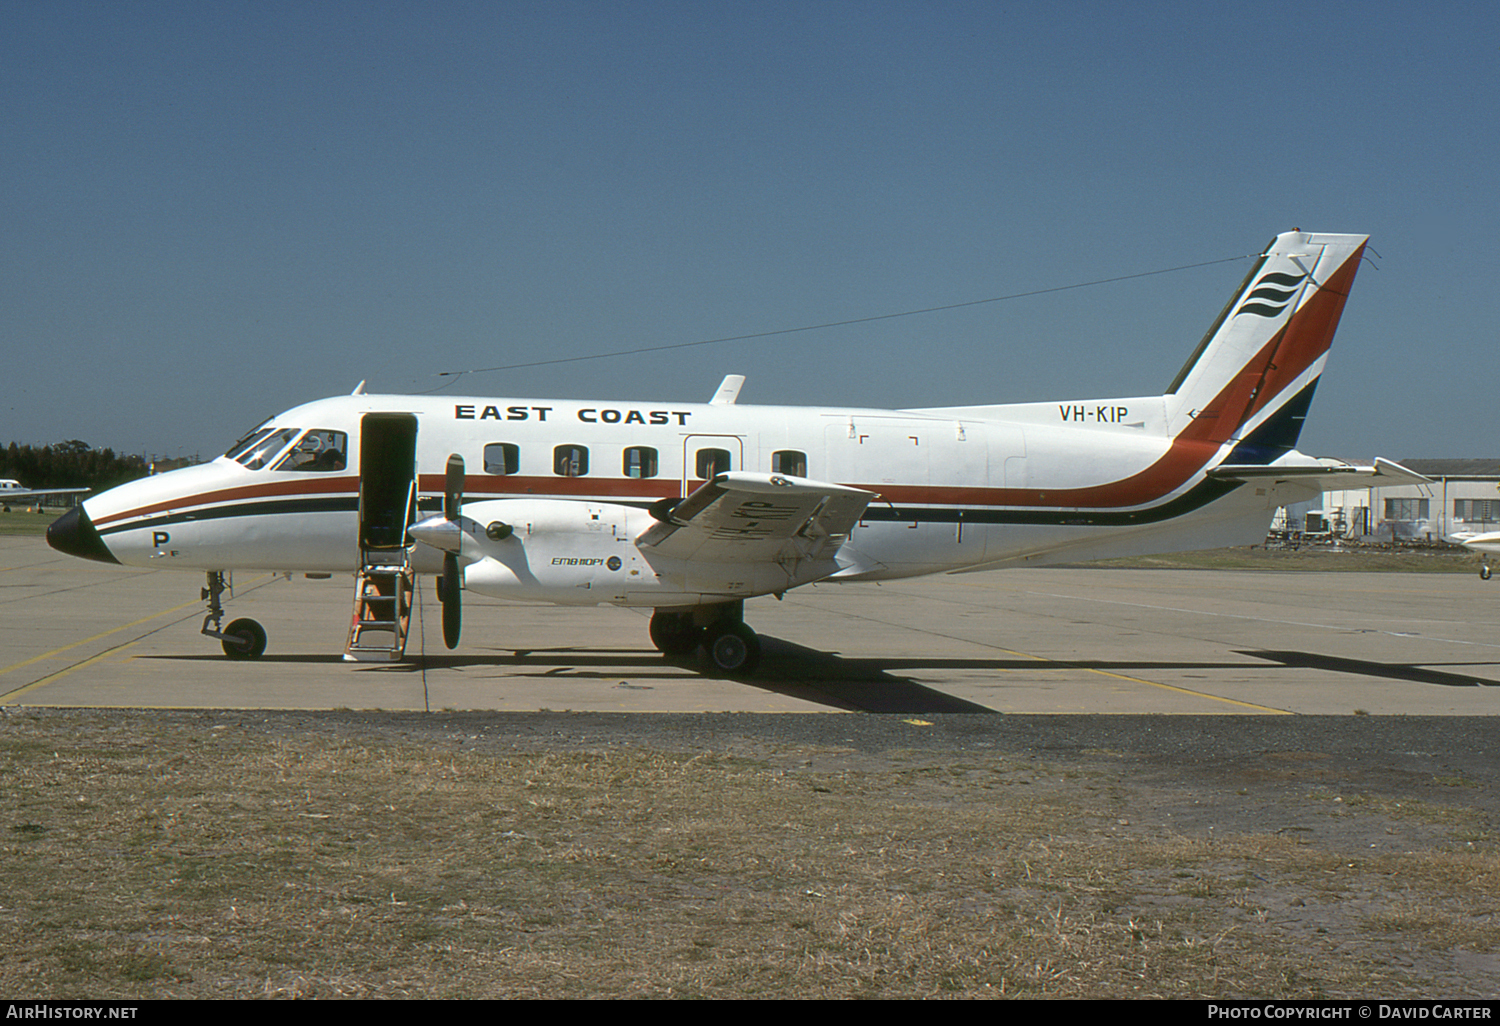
[(216, 210)]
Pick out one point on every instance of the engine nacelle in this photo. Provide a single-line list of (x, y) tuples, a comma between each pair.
[(584, 553), (572, 553)]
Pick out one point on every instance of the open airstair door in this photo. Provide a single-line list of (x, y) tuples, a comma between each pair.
[(387, 506)]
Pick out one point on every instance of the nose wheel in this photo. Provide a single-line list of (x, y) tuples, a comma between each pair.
[(243, 638)]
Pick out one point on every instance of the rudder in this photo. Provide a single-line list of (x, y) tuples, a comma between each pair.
[(1251, 379)]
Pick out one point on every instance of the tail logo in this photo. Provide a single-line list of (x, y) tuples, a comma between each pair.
[(1271, 295)]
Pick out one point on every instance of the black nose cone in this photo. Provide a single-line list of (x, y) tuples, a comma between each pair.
[(74, 533)]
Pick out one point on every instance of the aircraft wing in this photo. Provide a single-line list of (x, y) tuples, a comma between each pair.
[(757, 518), (1325, 475), (11, 494)]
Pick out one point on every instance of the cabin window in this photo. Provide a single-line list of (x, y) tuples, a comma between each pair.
[(317, 452), (258, 451), (640, 461), (789, 461), (570, 460), (502, 458), (712, 462)]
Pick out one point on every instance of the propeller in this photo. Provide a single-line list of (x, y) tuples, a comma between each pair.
[(453, 500)]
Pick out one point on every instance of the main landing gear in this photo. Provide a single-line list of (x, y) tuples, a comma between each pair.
[(720, 631), (242, 639)]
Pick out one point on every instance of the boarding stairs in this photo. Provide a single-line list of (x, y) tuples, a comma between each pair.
[(382, 608), (383, 588)]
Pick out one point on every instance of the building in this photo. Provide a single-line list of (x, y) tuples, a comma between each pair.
[(1464, 496)]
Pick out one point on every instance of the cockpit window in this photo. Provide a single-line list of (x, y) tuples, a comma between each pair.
[(259, 450), (238, 448), (318, 451)]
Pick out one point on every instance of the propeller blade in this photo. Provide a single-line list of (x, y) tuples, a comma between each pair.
[(452, 604), (453, 502), (453, 490)]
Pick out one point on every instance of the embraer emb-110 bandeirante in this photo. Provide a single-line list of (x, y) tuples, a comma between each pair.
[(690, 509)]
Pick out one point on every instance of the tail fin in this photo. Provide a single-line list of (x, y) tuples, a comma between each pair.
[(1251, 379)]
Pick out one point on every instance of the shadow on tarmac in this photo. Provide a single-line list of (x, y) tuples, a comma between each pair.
[(821, 678), (1385, 671), (864, 684)]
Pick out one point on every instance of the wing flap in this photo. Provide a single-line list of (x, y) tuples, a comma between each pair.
[(751, 518)]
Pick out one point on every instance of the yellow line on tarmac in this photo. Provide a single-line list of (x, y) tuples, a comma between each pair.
[(258, 582), (1152, 683), (1075, 666), (28, 688), (96, 637), (1196, 694)]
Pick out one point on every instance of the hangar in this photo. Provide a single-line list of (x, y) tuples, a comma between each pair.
[(1464, 496)]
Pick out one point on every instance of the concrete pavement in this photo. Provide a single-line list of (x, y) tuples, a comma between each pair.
[(74, 633)]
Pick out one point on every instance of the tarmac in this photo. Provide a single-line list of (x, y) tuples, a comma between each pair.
[(75, 634)]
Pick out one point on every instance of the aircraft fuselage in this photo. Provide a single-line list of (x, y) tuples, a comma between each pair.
[(955, 490)]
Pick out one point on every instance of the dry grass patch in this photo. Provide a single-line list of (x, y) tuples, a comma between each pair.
[(144, 858)]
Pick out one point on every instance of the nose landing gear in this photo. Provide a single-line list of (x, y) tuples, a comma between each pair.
[(242, 639)]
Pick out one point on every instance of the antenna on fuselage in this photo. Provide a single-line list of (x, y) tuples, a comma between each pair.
[(359, 389), (729, 390)]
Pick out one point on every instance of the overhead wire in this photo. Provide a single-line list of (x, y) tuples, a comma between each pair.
[(828, 324)]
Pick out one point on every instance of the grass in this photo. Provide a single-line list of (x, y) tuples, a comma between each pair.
[(146, 856), (19, 521)]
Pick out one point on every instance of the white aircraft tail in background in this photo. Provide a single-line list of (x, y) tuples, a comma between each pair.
[(692, 508)]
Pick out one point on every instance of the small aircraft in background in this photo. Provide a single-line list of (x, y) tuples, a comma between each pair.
[(11, 491), (690, 509), (1483, 543)]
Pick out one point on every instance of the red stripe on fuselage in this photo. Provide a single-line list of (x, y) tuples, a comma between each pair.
[(259, 490)]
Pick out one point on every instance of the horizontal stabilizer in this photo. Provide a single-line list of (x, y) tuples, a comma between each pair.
[(1328, 475), (757, 517)]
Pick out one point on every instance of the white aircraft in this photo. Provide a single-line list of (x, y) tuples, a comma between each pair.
[(692, 508), (1483, 543), (12, 491)]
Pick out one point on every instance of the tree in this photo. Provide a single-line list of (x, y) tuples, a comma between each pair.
[(69, 464)]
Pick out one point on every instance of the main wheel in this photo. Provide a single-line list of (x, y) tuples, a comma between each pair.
[(674, 634), (733, 648), (1484, 573), (251, 633)]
